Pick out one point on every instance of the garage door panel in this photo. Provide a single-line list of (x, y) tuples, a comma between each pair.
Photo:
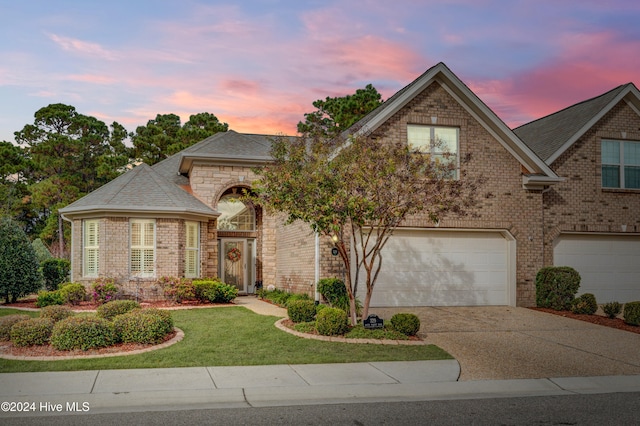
[(425, 268)]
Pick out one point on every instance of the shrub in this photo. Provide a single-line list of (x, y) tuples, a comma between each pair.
[(632, 313), (301, 310), (143, 326), (19, 268), (34, 331), (407, 324), (56, 312), (214, 291), (585, 304), (42, 252), (114, 308), (82, 332), (226, 293), (72, 293), (331, 322), (556, 287), (104, 290), (612, 309), (47, 298), (297, 296), (55, 271), (177, 289), (334, 291), (7, 322)]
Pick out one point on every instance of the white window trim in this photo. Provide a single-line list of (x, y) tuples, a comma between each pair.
[(142, 247), (620, 164), (432, 151), (195, 248), (93, 269)]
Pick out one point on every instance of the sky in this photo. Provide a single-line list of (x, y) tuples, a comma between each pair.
[(258, 65)]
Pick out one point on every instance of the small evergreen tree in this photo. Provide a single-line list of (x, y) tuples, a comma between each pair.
[(19, 272)]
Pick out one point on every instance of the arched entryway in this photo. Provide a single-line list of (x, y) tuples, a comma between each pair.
[(238, 235)]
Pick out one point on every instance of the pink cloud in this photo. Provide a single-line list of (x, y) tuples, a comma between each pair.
[(82, 47), (92, 78)]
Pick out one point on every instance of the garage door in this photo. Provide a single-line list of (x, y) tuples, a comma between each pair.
[(443, 268), (608, 265)]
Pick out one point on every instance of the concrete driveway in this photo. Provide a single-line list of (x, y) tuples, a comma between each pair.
[(501, 342)]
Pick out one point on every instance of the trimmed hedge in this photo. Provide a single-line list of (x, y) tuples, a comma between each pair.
[(612, 309), (214, 291), (301, 310), (82, 332), (632, 313), (56, 312), (72, 293), (407, 324), (331, 322), (6, 322), (34, 331), (585, 304), (148, 326), (556, 287), (114, 308), (48, 298)]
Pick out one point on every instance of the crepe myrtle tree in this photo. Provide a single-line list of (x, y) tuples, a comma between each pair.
[(359, 194)]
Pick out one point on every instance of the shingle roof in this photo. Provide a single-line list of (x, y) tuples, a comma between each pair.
[(232, 144), (548, 135), (140, 190)]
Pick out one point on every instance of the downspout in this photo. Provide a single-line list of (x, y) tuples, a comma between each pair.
[(317, 268), (71, 251)]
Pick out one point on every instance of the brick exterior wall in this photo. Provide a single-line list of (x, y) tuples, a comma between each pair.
[(579, 204)]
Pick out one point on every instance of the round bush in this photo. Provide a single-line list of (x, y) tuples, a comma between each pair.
[(34, 331), (55, 272), (331, 322), (585, 304), (612, 309), (301, 310), (116, 307), (48, 298), (632, 313), (56, 312), (82, 332), (6, 322), (148, 326), (72, 293), (407, 324), (556, 287)]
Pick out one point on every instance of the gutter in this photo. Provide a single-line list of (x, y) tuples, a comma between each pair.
[(71, 251)]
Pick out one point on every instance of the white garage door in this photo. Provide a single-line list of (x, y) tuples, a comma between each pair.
[(443, 268), (608, 265)]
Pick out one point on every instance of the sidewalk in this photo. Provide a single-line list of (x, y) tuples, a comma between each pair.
[(107, 391)]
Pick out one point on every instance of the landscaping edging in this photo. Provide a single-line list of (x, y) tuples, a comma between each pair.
[(280, 324), (178, 337)]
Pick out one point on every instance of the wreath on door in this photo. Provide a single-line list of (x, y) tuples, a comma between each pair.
[(234, 254)]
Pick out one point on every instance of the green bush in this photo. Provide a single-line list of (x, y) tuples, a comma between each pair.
[(585, 304), (407, 324), (56, 312), (331, 322), (19, 268), (34, 331), (82, 332), (148, 326), (55, 271), (632, 313), (42, 252), (6, 322), (47, 298), (612, 309), (104, 290), (177, 289), (214, 291), (114, 308), (334, 291), (556, 287), (73, 293), (301, 310)]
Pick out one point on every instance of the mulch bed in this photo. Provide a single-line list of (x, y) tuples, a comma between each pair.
[(91, 306), (594, 319)]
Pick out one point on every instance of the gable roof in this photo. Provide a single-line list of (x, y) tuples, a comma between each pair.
[(552, 135), (442, 75), (140, 190)]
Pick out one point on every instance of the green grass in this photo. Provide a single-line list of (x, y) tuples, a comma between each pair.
[(233, 336)]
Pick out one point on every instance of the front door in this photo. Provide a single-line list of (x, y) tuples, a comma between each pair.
[(236, 263)]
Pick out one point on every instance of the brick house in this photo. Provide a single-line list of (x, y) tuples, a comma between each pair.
[(550, 196)]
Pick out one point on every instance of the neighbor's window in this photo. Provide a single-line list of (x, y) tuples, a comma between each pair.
[(235, 215), (192, 250), (441, 143), (620, 164), (143, 239), (91, 248)]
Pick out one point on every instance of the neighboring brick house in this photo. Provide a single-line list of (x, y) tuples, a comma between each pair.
[(541, 184)]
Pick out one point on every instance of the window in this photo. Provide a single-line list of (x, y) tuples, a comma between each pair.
[(620, 164), (91, 248), (235, 215), (441, 143), (143, 238), (192, 250)]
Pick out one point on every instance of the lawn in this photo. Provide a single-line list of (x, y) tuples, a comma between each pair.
[(233, 336)]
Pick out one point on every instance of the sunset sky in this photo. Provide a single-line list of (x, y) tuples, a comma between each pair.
[(259, 64)]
